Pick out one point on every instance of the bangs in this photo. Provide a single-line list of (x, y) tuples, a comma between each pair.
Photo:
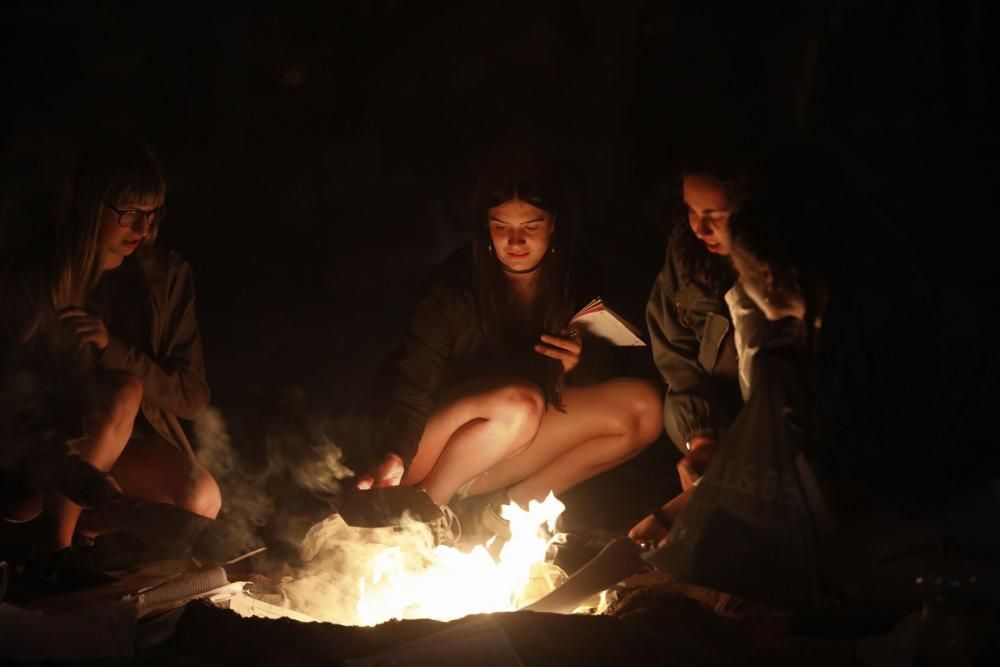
[(140, 182)]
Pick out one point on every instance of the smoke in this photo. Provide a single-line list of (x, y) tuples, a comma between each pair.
[(301, 472), (340, 560)]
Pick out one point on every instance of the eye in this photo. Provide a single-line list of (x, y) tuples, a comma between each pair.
[(499, 227), (532, 228)]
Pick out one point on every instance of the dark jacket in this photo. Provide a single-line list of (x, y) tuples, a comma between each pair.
[(444, 345), (690, 332), (43, 379), (170, 361)]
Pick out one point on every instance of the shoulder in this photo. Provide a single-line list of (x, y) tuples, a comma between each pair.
[(454, 278), (160, 264), (167, 274), (457, 269)]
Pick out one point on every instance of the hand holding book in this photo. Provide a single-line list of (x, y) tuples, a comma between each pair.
[(597, 320), (565, 348)]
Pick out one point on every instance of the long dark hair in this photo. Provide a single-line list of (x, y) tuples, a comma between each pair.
[(731, 166), (534, 178)]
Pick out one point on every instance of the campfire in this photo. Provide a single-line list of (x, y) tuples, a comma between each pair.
[(358, 576)]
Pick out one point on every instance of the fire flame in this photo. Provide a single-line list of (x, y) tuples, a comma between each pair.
[(403, 576), (453, 584)]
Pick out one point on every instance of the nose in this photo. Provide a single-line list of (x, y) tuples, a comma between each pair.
[(700, 226), (516, 238)]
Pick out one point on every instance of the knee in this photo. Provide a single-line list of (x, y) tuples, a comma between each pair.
[(200, 494), (640, 421), (647, 413), (518, 409)]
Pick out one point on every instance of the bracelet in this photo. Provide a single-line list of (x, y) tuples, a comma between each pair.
[(661, 518)]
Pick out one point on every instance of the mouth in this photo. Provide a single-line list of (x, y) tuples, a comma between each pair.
[(133, 243), (516, 255)]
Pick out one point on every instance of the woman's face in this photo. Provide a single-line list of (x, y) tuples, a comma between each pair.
[(708, 209), (775, 298), (520, 233), (118, 242)]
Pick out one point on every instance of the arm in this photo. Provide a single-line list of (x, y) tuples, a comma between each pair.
[(675, 347), (413, 374), (176, 381)]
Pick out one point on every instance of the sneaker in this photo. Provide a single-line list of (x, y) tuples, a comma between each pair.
[(65, 570), (481, 517), (447, 529)]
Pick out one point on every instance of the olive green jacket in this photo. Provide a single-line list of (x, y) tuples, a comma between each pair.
[(691, 336)]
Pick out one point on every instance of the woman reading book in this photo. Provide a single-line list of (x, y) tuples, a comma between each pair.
[(101, 359), (490, 392)]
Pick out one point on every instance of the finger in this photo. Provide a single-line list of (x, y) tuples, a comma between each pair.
[(388, 477), (365, 482), (555, 353), (84, 328), (87, 340), (72, 311), (563, 343)]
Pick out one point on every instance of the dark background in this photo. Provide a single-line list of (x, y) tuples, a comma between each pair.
[(317, 153)]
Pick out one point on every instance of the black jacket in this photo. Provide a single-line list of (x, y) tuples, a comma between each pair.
[(444, 345)]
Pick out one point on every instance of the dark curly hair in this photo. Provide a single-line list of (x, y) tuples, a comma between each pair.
[(732, 168)]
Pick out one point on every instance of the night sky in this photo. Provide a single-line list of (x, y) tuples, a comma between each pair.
[(318, 153)]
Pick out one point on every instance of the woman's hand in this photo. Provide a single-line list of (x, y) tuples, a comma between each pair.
[(648, 531), (85, 328), (655, 527), (388, 472), (695, 462), (566, 348)]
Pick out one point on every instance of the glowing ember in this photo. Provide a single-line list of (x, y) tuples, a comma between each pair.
[(366, 577)]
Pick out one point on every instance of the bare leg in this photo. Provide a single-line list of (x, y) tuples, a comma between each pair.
[(108, 425), (154, 470), (486, 421), (603, 425)]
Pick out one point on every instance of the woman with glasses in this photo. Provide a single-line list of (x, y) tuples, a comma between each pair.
[(490, 396), (101, 360)]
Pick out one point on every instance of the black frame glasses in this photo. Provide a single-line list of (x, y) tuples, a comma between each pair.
[(128, 217)]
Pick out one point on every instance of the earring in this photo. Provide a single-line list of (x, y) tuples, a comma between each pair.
[(489, 245)]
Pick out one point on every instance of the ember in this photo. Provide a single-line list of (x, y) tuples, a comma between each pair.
[(369, 576)]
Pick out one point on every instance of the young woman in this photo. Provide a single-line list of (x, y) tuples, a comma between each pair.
[(691, 313), (490, 392), (102, 359), (896, 377)]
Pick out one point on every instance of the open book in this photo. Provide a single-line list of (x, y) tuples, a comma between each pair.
[(598, 320)]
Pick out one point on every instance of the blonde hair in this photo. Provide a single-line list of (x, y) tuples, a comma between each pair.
[(112, 171)]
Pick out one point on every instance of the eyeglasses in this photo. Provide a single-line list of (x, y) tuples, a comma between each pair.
[(130, 217)]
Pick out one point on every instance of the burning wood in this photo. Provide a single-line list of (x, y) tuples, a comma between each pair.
[(366, 576)]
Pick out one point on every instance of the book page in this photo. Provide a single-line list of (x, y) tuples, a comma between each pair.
[(603, 324)]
